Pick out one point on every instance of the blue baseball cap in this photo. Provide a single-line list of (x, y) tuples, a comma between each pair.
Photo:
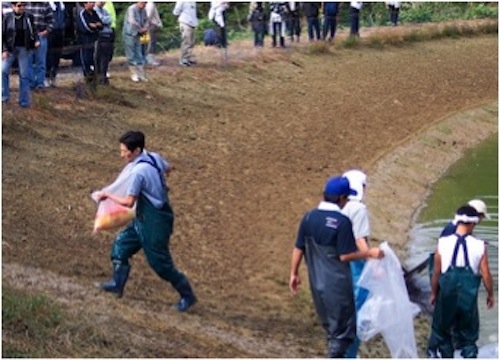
[(337, 186)]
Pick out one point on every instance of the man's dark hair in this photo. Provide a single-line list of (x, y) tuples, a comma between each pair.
[(331, 198), (467, 210), (133, 140)]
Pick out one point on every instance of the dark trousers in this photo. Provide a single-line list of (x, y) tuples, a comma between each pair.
[(277, 32), (87, 56), (56, 42), (354, 21), (105, 47), (394, 14), (150, 231), (258, 38), (330, 25), (294, 28), (313, 27)]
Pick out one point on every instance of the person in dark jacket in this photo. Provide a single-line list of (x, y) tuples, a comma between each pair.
[(55, 42), (19, 39), (258, 18), (88, 24), (105, 43), (330, 13), (326, 239), (311, 11)]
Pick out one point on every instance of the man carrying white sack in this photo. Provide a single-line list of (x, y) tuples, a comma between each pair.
[(153, 225)]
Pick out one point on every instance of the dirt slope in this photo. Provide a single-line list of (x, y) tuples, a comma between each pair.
[(252, 143)]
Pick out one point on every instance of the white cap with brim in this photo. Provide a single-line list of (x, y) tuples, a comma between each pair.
[(480, 207), (357, 181)]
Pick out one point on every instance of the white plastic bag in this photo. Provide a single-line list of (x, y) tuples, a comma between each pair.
[(388, 309), (111, 215)]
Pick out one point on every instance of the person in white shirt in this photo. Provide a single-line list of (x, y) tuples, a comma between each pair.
[(357, 212), (354, 9), (155, 25), (460, 262), (394, 9), (188, 21)]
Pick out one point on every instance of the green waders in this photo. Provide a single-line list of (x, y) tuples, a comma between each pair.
[(456, 307), (150, 231)]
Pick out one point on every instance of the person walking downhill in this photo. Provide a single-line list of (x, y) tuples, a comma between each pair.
[(326, 240), (55, 42), (44, 22), (135, 24), (153, 225), (89, 25), (19, 40), (155, 26), (105, 45), (460, 262), (188, 21)]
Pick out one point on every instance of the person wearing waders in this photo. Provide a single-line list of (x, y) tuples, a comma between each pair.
[(153, 224), (460, 262), (357, 212), (326, 240), (450, 229)]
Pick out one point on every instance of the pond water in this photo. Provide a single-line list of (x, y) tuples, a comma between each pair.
[(474, 176)]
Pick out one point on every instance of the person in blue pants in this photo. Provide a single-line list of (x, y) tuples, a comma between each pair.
[(153, 225), (18, 42), (357, 212)]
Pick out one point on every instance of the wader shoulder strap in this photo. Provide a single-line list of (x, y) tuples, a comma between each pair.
[(460, 242)]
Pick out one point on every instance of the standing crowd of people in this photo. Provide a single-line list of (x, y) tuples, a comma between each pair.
[(34, 34)]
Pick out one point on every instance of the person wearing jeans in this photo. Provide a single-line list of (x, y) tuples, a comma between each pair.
[(330, 11), (44, 22), (18, 42), (135, 24)]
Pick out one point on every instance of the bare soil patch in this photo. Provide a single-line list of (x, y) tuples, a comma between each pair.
[(252, 143)]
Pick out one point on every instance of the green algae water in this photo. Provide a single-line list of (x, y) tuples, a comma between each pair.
[(475, 176)]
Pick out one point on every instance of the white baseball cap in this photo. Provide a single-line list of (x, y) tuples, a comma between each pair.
[(480, 207), (357, 181)]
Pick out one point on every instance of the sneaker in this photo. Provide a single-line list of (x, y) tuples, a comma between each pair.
[(184, 63), (135, 78), (192, 62), (108, 75)]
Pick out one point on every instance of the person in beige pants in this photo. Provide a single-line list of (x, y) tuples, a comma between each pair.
[(188, 21)]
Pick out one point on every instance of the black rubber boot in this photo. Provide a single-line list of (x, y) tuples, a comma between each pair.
[(188, 298), (120, 277)]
